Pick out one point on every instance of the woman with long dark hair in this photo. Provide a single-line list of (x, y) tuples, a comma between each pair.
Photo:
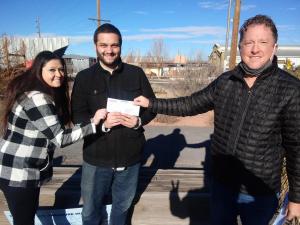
[(33, 127)]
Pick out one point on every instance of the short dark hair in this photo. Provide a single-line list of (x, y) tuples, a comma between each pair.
[(107, 28), (259, 19)]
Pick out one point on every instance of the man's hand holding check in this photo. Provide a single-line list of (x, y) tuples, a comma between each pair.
[(121, 112)]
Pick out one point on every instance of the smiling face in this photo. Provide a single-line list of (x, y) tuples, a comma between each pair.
[(108, 49), (53, 73), (258, 46)]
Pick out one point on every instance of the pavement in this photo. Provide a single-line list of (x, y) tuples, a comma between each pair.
[(166, 147), (171, 153)]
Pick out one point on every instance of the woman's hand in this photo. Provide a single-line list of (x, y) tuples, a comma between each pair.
[(141, 101), (100, 114)]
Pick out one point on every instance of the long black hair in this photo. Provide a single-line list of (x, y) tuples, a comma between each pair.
[(32, 80)]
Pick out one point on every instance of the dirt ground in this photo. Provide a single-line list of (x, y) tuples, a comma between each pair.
[(201, 120)]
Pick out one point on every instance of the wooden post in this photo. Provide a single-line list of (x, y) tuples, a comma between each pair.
[(227, 34), (234, 38), (98, 13)]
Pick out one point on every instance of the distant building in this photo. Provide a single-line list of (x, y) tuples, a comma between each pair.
[(20, 49), (180, 59), (284, 53), (153, 67), (76, 63)]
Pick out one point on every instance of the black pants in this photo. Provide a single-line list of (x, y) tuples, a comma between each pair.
[(22, 203)]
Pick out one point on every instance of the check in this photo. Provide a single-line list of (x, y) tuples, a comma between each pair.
[(123, 106)]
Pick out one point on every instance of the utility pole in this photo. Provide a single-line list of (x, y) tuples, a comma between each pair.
[(38, 27), (234, 38), (98, 15), (227, 31)]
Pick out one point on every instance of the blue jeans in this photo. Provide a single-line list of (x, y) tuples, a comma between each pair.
[(227, 204), (97, 183)]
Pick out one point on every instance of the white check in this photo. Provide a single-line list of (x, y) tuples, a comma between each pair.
[(122, 106)]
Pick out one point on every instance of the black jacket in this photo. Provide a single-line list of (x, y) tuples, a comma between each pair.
[(121, 146), (253, 128)]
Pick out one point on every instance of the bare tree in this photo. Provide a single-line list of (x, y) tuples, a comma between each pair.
[(133, 56), (195, 56), (11, 60), (159, 54)]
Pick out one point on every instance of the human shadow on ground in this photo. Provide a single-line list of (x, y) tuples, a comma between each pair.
[(195, 204), (164, 150)]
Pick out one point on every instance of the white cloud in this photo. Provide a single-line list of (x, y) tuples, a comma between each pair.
[(286, 27), (175, 33), (80, 39), (142, 37), (221, 5), (207, 41), (247, 7), (35, 35), (191, 30), (214, 5), (141, 12), (292, 8)]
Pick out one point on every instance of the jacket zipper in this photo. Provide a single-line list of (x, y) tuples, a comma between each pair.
[(242, 120)]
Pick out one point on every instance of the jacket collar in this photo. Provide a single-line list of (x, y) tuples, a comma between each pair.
[(237, 72), (119, 67)]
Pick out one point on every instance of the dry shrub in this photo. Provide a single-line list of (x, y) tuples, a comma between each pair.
[(194, 78), (183, 82)]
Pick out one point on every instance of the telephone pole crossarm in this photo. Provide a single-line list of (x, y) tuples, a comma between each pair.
[(107, 21)]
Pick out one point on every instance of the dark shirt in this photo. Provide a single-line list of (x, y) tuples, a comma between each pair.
[(121, 146)]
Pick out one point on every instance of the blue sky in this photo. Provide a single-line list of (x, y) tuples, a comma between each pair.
[(186, 26)]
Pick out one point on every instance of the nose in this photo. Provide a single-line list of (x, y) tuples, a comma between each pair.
[(255, 48), (59, 73), (109, 49)]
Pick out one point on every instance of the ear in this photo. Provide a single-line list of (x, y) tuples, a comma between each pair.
[(275, 49)]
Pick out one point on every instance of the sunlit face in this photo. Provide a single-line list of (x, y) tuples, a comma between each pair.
[(53, 73), (258, 46), (108, 49)]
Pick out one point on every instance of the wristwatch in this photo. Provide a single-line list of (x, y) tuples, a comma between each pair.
[(138, 123)]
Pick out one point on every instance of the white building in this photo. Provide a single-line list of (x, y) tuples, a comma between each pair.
[(17, 50), (34, 45), (284, 53)]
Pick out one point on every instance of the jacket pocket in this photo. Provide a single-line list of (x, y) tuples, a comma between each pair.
[(97, 98), (132, 92)]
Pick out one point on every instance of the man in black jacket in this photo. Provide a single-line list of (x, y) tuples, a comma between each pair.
[(112, 156), (257, 123)]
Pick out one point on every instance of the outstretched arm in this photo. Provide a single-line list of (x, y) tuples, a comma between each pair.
[(142, 101), (199, 102)]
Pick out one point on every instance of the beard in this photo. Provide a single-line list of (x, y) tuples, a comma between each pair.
[(109, 63)]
